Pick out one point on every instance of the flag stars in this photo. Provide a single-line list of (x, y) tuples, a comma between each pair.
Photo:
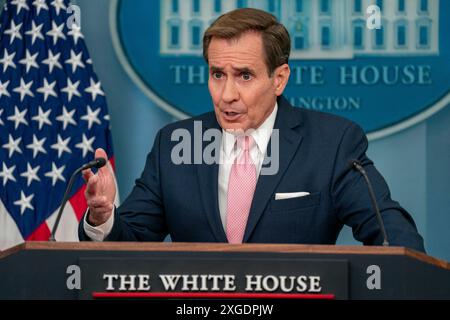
[(20, 4), (56, 174), (75, 61), (24, 202), (3, 89), (42, 117), (56, 32), (37, 146), (91, 117), (8, 60), (14, 32), (86, 145), (35, 32), (52, 61), (1, 121), (13, 145), (71, 89), (94, 89), (75, 32), (58, 5), (30, 60), (61, 146), (66, 118), (39, 5), (18, 117), (31, 174), (47, 89), (24, 89), (7, 174)]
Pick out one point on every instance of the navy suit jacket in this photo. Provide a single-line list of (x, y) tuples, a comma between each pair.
[(314, 153)]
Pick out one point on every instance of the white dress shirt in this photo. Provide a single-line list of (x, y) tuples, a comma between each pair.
[(228, 153), (98, 233)]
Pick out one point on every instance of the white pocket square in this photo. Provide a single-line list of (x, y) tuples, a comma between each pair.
[(290, 195)]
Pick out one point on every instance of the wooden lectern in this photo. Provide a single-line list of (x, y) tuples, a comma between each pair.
[(89, 270)]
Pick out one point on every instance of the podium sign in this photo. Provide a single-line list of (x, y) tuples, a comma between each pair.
[(274, 273)]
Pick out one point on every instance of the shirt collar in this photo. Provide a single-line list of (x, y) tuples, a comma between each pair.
[(261, 135)]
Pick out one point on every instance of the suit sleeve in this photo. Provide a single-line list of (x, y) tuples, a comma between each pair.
[(352, 201), (141, 216)]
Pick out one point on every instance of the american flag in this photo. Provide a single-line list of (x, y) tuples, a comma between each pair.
[(53, 115)]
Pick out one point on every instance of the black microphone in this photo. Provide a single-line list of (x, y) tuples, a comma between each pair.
[(96, 163), (355, 164)]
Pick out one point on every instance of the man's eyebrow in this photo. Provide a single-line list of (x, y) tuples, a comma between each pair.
[(245, 69), (238, 70), (215, 69)]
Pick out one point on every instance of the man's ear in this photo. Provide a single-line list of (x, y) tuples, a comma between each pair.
[(281, 76)]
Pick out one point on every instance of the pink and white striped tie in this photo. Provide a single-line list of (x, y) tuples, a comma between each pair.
[(241, 187)]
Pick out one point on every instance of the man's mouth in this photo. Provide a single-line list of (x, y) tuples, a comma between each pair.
[(231, 116)]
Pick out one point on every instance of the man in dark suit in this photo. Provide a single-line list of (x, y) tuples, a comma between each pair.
[(281, 175)]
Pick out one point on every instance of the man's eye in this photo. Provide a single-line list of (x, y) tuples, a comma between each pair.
[(246, 76), (217, 75)]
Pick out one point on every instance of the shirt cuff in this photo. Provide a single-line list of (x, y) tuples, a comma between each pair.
[(98, 233)]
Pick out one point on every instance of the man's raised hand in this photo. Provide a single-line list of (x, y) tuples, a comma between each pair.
[(100, 192)]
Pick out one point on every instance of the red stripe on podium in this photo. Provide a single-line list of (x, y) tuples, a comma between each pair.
[(209, 295)]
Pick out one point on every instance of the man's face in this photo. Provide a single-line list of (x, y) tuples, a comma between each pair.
[(242, 92)]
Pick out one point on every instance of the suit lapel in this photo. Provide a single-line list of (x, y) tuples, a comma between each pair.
[(208, 183), (290, 139)]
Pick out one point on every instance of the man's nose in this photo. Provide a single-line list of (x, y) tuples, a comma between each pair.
[(230, 92)]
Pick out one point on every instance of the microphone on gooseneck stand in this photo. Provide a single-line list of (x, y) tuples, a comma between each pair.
[(97, 163), (355, 164)]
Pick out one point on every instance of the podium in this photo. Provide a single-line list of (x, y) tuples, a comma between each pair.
[(113, 270)]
